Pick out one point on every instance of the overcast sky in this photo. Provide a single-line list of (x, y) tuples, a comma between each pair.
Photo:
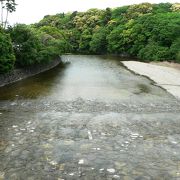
[(31, 11)]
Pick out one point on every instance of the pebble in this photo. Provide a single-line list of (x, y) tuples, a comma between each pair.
[(116, 176), (101, 170), (22, 129), (90, 135), (12, 104), (103, 134), (18, 134), (53, 163), (111, 170), (174, 142), (0, 113), (71, 174), (14, 126), (81, 161), (134, 135)]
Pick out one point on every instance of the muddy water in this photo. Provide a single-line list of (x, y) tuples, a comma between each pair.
[(92, 119)]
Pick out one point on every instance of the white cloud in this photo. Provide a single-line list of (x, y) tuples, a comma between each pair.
[(30, 11)]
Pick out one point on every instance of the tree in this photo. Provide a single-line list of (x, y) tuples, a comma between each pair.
[(106, 16), (161, 8), (134, 11), (120, 39), (175, 7), (7, 58), (119, 12), (175, 50), (148, 31), (154, 52), (98, 44), (26, 45), (84, 42), (9, 6)]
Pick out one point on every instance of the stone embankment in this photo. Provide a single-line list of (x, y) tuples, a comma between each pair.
[(19, 74)]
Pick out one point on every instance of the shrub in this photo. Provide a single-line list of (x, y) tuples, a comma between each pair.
[(7, 57), (154, 52), (26, 45)]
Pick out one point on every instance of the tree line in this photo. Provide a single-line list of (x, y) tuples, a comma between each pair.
[(149, 32)]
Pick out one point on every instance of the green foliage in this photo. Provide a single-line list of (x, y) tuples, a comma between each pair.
[(154, 52), (119, 12), (162, 8), (178, 57), (115, 40), (52, 31), (73, 37), (136, 36), (137, 10), (51, 36), (33, 47), (84, 44), (106, 16), (7, 57), (26, 45), (150, 32), (124, 30), (88, 20), (175, 50), (61, 21), (120, 39), (98, 44)]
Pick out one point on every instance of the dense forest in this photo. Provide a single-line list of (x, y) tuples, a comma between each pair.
[(149, 32)]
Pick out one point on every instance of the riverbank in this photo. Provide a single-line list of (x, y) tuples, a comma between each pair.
[(166, 76), (19, 74)]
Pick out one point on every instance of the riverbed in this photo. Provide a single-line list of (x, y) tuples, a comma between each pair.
[(92, 119)]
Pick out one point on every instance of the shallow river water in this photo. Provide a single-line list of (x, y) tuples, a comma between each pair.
[(92, 119)]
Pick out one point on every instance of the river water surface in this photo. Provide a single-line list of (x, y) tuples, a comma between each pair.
[(92, 119)]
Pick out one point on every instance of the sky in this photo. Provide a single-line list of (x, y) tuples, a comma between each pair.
[(31, 11)]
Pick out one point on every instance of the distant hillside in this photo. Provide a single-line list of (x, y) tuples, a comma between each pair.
[(147, 31), (150, 32)]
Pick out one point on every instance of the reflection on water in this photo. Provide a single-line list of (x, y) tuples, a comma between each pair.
[(92, 119), (33, 87)]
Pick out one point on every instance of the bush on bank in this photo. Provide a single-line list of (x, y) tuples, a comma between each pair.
[(7, 58)]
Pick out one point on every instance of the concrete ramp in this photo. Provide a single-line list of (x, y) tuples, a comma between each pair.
[(166, 77)]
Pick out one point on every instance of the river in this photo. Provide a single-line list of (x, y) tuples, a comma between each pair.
[(92, 119)]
